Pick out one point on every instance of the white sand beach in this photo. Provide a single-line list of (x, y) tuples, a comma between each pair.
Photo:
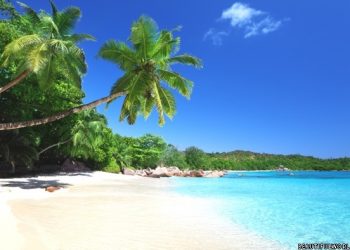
[(109, 211)]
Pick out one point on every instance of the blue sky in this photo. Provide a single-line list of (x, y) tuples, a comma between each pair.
[(276, 74)]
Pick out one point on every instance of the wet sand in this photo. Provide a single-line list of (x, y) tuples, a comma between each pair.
[(107, 211)]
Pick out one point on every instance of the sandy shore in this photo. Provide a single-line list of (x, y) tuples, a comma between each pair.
[(106, 211)]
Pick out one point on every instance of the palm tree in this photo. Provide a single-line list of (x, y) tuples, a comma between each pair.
[(50, 51), (147, 66), (85, 135)]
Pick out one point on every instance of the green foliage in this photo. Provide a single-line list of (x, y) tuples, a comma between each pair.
[(147, 65), (7, 10), (17, 149), (195, 157), (146, 151), (173, 157), (244, 160), (112, 168), (48, 47)]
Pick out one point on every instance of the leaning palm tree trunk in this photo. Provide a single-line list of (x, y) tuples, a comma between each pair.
[(54, 145), (60, 115), (15, 81)]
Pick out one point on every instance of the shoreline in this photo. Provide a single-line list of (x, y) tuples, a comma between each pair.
[(114, 212)]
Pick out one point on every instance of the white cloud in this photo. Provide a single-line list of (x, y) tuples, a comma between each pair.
[(240, 14), (215, 36), (264, 26), (252, 21)]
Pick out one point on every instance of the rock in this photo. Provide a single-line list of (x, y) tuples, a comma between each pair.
[(161, 172), (148, 171), (214, 174), (186, 173), (174, 171), (128, 171), (197, 173), (70, 165), (51, 189)]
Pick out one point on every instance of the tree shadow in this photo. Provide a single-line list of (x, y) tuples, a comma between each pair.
[(33, 184), (76, 174)]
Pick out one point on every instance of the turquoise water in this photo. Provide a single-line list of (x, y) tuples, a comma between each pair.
[(288, 207)]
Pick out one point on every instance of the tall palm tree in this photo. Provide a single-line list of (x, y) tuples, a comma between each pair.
[(50, 51), (147, 66), (147, 70)]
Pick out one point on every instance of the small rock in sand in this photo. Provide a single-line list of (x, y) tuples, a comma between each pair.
[(51, 189)]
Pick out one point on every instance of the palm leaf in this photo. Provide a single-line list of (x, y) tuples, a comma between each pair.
[(176, 81), (165, 44), (147, 106), (48, 26), (18, 47), (67, 19), (45, 75), (159, 105), (143, 34), (30, 12), (123, 84), (118, 53), (186, 59), (54, 10), (168, 102), (75, 38), (37, 58)]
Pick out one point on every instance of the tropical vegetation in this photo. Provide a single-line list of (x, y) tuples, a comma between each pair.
[(43, 120)]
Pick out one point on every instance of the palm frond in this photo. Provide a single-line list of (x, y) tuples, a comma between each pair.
[(18, 47), (46, 74), (139, 85), (48, 26), (143, 34), (37, 58), (186, 59), (71, 72), (123, 84), (168, 102), (176, 81), (75, 38), (30, 12), (159, 105), (129, 110), (118, 53), (67, 19), (54, 10), (165, 44), (147, 106)]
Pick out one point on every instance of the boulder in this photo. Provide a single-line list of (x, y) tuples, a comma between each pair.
[(174, 171), (128, 171), (70, 165), (52, 189), (140, 172), (214, 174), (161, 172), (196, 173)]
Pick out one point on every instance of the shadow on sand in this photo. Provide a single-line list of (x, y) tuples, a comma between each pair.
[(32, 183)]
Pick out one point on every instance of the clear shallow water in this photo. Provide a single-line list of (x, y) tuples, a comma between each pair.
[(304, 207)]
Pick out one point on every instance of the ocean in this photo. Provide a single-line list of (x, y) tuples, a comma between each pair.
[(287, 207)]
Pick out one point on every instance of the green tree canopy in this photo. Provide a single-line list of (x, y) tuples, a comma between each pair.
[(195, 157)]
